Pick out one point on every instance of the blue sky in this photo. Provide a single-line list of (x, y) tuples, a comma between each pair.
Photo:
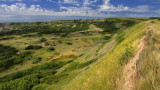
[(47, 10)]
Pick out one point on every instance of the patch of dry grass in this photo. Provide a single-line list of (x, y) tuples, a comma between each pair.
[(149, 67)]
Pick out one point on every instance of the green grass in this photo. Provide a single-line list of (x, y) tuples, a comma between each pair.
[(149, 68), (89, 59), (105, 75)]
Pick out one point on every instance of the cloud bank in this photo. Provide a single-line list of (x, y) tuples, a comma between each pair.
[(75, 8)]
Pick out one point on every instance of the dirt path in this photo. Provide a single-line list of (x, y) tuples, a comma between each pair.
[(130, 70)]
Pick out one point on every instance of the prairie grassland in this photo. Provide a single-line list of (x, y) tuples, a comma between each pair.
[(62, 50), (91, 59), (149, 67), (105, 76)]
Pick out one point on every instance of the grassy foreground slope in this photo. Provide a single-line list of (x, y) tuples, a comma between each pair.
[(107, 74), (149, 67)]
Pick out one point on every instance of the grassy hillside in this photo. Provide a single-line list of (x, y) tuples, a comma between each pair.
[(72, 54), (148, 68), (105, 75)]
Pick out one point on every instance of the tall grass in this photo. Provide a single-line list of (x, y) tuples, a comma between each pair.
[(149, 67), (105, 75)]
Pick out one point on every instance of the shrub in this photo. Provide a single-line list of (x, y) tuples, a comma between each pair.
[(43, 40), (36, 60), (68, 43), (25, 83), (152, 22), (113, 24), (51, 48), (50, 43), (108, 26), (77, 65), (64, 35), (56, 53), (29, 47), (25, 53), (128, 52), (40, 87), (128, 23), (7, 38), (10, 57), (59, 41), (108, 37), (33, 47), (120, 38), (7, 52), (37, 47), (41, 70)]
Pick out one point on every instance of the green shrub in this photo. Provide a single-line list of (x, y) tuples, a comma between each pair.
[(41, 70), (11, 56), (152, 22), (112, 25), (128, 23), (50, 43), (56, 53), (68, 43), (59, 41), (7, 38), (36, 60), (43, 40), (128, 53), (51, 48), (120, 37), (33, 47), (25, 53), (108, 37), (77, 65), (64, 35), (107, 26), (7, 52), (25, 83)]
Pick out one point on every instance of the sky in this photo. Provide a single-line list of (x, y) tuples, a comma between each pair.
[(48, 10)]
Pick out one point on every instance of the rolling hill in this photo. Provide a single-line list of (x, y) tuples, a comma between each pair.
[(100, 54)]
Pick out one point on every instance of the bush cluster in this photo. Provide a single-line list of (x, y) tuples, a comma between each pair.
[(113, 24), (44, 29), (33, 47), (25, 80), (9, 56)]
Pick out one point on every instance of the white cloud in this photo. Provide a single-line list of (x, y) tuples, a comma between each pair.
[(20, 12), (70, 1), (157, 11), (83, 11), (74, 2), (82, 8), (78, 2), (89, 2), (21, 9), (135, 15), (142, 8), (107, 6)]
